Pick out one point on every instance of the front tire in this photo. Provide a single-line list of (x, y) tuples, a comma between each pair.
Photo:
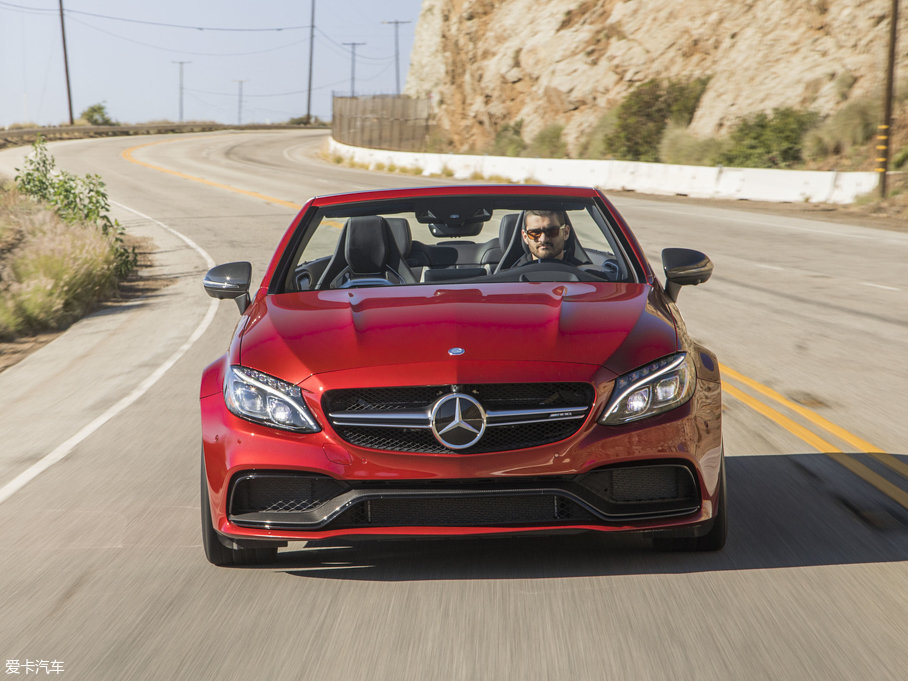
[(215, 551)]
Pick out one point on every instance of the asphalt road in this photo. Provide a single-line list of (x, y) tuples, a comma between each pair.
[(102, 569)]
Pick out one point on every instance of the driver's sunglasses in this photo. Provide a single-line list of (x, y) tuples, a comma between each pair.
[(536, 233)]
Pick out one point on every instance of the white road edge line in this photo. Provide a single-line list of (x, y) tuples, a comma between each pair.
[(64, 449), (885, 288)]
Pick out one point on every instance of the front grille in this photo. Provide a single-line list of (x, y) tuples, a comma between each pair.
[(361, 416), (499, 439)]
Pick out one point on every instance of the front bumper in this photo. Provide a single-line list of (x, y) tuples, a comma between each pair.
[(609, 495), (661, 473)]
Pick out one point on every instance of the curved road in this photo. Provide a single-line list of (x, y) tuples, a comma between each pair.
[(102, 569)]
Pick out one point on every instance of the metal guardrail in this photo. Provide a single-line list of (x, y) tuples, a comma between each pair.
[(26, 136)]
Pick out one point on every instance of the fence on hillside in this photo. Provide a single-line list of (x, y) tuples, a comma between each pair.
[(396, 122)]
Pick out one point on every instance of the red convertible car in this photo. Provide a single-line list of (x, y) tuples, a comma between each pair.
[(454, 361)]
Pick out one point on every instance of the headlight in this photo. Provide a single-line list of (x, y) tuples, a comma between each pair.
[(651, 390), (258, 397)]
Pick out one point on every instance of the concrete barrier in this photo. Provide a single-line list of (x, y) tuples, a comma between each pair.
[(754, 184)]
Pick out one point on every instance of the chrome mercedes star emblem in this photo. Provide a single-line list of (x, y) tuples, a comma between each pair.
[(456, 351), (458, 421)]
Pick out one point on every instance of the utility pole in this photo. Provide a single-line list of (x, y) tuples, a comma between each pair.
[(353, 47), (885, 128), (69, 96), (311, 43), (396, 51), (239, 106), (181, 85)]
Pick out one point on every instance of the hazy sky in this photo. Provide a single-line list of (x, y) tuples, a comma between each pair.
[(128, 65)]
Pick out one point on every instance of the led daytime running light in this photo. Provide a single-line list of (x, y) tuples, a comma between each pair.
[(276, 394), (645, 381)]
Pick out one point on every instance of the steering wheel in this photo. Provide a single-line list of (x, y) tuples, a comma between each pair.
[(549, 270)]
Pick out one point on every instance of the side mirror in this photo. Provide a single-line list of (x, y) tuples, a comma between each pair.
[(230, 280), (684, 267)]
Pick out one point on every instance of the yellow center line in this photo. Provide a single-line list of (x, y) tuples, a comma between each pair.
[(867, 474), (860, 444), (128, 155), (892, 491), (791, 426), (811, 416)]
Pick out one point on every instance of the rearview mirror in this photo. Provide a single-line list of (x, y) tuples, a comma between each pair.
[(684, 267), (230, 280)]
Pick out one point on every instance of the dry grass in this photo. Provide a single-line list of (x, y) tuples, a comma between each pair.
[(51, 272)]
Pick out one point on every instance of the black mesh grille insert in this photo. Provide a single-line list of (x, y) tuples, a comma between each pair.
[(643, 484), (493, 397), (281, 493), (464, 511)]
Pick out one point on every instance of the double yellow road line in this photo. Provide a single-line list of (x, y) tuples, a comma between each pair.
[(127, 154), (805, 434), (825, 426)]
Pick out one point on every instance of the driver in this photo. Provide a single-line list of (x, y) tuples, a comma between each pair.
[(545, 233)]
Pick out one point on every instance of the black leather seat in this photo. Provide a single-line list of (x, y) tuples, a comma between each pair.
[(494, 248), (414, 253), (366, 250)]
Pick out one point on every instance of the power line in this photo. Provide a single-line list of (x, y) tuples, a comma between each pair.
[(29, 10), (189, 52), (341, 45), (39, 10)]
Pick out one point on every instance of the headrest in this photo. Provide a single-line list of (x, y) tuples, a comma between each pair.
[(400, 230), (506, 229), (368, 244)]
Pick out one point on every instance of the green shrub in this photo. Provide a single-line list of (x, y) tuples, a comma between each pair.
[(594, 146), (680, 147), (547, 143), (74, 199), (509, 140), (852, 125), (769, 141), (644, 114), (683, 98), (97, 114), (900, 160), (642, 117)]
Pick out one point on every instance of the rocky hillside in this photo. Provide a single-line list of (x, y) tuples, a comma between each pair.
[(486, 63)]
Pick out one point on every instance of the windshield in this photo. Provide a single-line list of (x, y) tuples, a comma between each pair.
[(455, 240)]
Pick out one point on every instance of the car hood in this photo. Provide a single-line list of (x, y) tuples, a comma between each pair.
[(296, 335)]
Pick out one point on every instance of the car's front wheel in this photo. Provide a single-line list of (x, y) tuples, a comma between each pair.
[(215, 551)]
